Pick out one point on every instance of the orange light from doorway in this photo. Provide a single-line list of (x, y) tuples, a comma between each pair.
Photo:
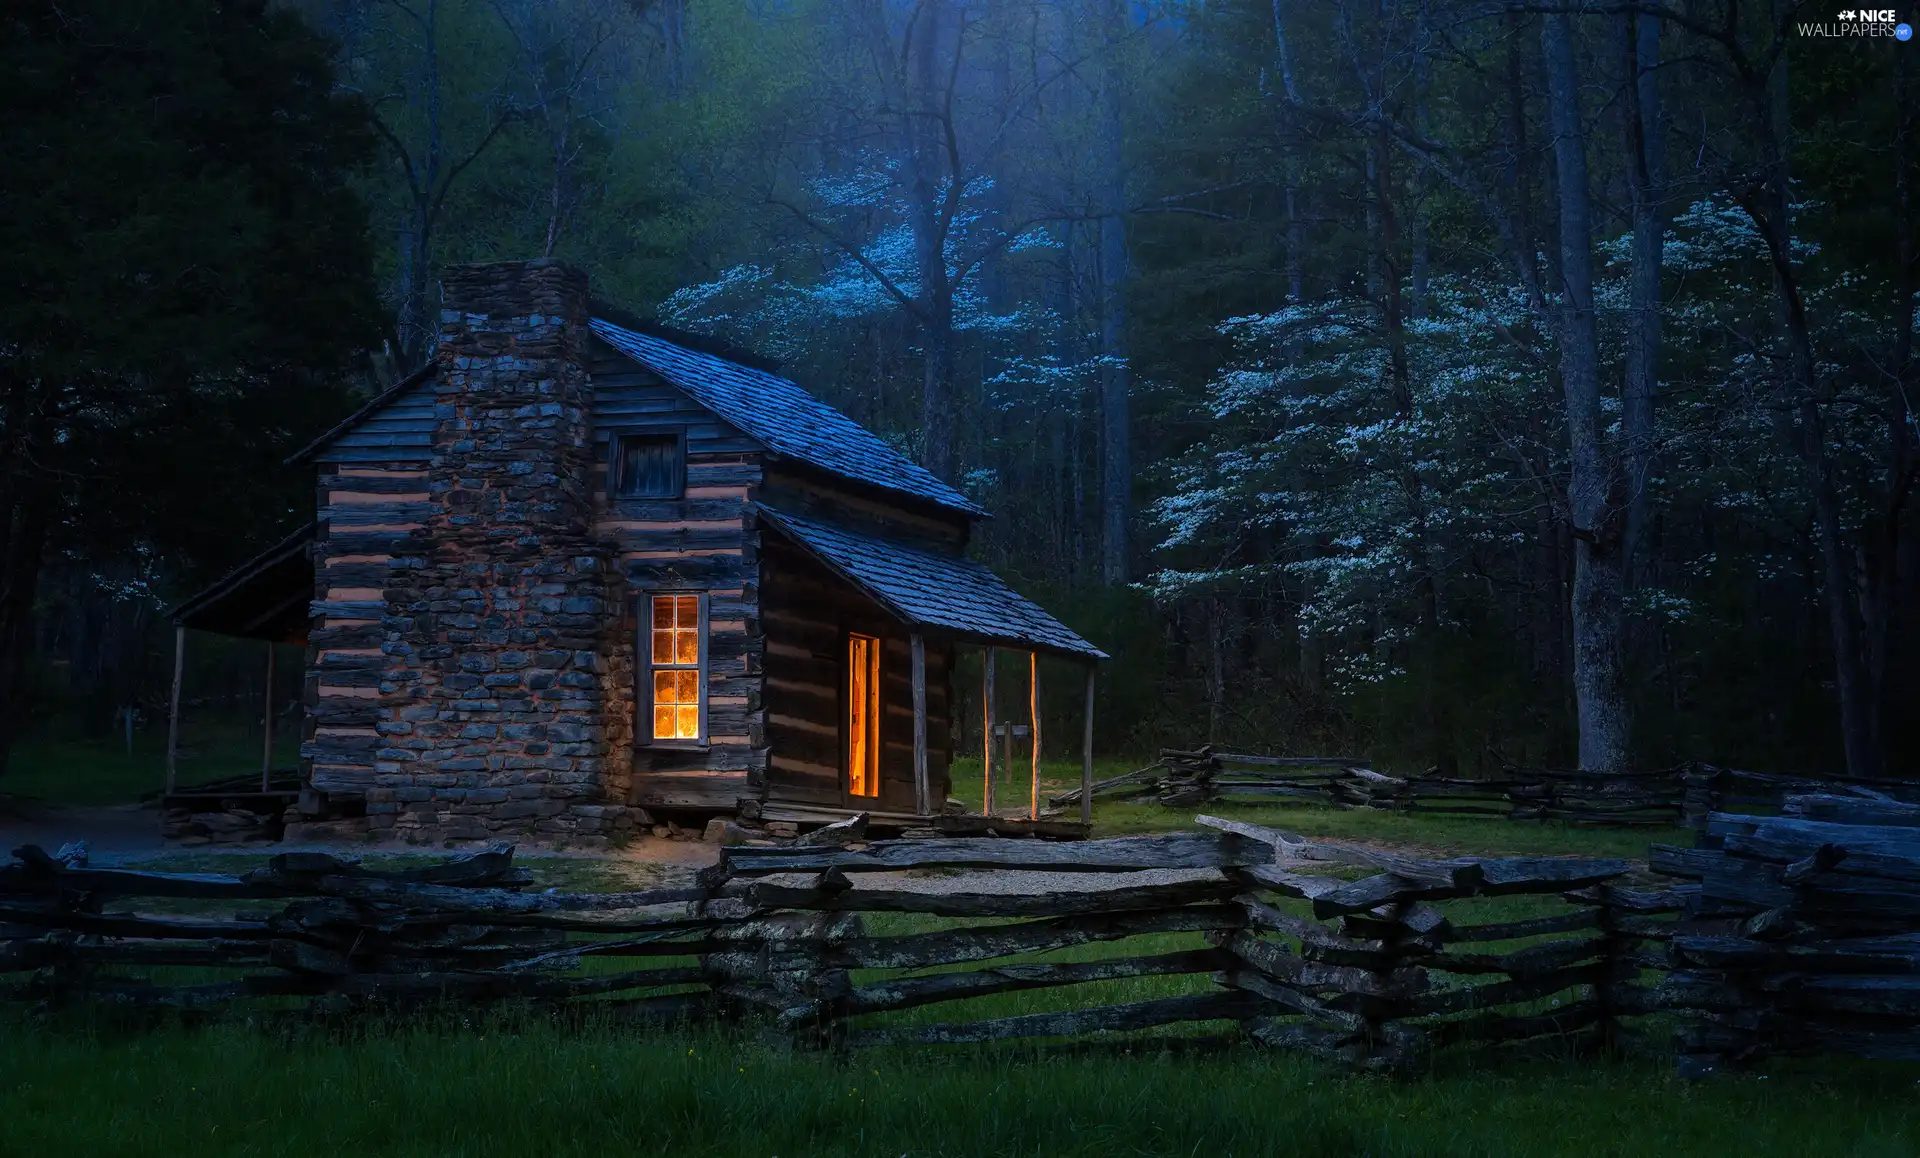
[(863, 715)]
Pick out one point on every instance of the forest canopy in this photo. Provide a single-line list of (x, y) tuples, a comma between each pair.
[(1450, 381)]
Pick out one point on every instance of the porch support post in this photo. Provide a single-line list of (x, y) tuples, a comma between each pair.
[(1086, 757), (986, 733), (1033, 724), (922, 791), (266, 743), (173, 706)]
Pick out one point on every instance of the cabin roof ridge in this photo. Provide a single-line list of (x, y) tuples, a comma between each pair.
[(783, 416)]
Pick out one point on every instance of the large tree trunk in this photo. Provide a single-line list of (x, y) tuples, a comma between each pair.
[(1599, 682), (927, 181), (1641, 34), (936, 395), (1848, 593), (1116, 442)]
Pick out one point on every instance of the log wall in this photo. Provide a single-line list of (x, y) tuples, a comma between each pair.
[(809, 612), (704, 542), (370, 539)]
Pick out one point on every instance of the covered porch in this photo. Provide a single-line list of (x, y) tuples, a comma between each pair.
[(941, 603), (266, 599)]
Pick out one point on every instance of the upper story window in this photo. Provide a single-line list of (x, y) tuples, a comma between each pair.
[(649, 466)]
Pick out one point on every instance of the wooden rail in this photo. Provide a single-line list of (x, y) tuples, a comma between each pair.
[(1668, 797), (1806, 935), (1370, 958)]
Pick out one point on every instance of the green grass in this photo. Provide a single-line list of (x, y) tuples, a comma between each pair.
[(1452, 835), (542, 1090), (101, 771)]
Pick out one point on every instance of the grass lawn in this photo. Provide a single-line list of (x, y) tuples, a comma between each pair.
[(1451, 835), (539, 1090), (96, 772)]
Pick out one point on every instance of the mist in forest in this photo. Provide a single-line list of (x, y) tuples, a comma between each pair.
[(1445, 381)]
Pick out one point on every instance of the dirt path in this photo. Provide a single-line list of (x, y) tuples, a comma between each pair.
[(113, 833), (130, 833)]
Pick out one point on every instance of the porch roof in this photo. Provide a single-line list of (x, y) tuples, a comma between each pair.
[(265, 597), (945, 593)]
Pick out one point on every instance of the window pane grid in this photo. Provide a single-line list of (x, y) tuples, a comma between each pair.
[(677, 678)]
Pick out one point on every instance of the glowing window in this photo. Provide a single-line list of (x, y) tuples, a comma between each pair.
[(678, 667), (863, 715)]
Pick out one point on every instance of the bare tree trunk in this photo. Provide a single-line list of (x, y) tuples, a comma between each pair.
[(1771, 210), (1116, 442), (1599, 681), (1216, 668), (926, 184), (1646, 177)]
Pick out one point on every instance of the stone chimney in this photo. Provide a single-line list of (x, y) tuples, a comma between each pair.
[(513, 428), (511, 613)]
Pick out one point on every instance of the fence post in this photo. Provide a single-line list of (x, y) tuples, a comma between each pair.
[(922, 786), (266, 744), (1033, 722), (986, 731), (173, 706), (1086, 758)]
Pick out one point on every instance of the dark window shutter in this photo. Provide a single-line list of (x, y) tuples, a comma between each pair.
[(651, 466)]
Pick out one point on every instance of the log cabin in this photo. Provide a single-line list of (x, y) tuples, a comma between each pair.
[(579, 569)]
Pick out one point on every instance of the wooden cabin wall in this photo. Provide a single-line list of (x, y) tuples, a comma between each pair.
[(371, 521), (703, 542), (808, 611), (810, 492), (402, 429)]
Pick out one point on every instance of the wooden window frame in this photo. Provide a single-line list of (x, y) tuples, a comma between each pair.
[(643, 682), (614, 481)]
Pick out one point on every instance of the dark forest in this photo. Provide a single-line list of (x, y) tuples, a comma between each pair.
[(1446, 381)]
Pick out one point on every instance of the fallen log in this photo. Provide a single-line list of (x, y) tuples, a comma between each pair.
[(1072, 796)]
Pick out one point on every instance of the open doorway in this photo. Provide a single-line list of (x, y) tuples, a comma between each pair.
[(863, 716)]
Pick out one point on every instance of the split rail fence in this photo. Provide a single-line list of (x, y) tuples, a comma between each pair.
[(1368, 958), (1669, 797), (1805, 937)]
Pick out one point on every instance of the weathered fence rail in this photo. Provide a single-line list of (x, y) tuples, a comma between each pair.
[(1805, 937), (1371, 958), (1666, 797)]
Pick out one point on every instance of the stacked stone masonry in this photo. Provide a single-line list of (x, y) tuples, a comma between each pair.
[(469, 618)]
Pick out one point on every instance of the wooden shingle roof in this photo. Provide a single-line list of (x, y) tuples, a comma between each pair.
[(783, 417), (925, 589)]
